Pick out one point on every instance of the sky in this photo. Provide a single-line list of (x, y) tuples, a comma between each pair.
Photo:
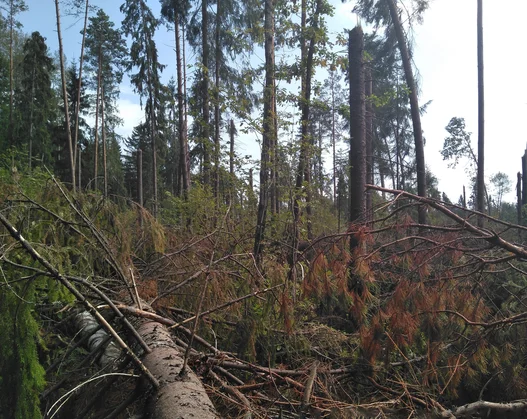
[(445, 57)]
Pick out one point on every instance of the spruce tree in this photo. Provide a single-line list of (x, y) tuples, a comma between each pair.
[(35, 99), (106, 54)]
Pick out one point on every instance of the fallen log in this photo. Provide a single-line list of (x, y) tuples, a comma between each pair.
[(177, 396)]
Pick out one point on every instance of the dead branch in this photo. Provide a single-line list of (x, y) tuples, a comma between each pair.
[(485, 409), (233, 391)]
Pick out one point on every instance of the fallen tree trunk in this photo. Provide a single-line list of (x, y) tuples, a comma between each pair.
[(178, 396), (484, 409)]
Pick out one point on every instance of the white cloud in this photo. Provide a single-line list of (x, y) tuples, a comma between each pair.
[(131, 114)]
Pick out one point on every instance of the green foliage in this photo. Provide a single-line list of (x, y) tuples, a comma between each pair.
[(457, 145), (22, 376)]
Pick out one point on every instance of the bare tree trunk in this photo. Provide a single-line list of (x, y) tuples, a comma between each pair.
[(205, 91), (480, 195), (96, 144), (11, 74), (153, 128), (232, 133), (414, 107), (104, 157), (268, 129), (216, 185), (140, 176), (357, 127), (65, 97), (519, 197), (31, 124), (369, 141), (304, 169), (183, 142), (78, 107), (334, 140)]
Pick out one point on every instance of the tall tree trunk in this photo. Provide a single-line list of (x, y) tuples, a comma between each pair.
[(11, 75), (31, 127), (304, 166), (205, 91), (96, 142), (152, 116), (65, 97), (104, 157), (369, 140), (140, 176), (232, 133), (519, 197), (480, 195), (79, 87), (414, 106), (333, 139), (216, 185), (183, 142), (268, 128), (357, 126)]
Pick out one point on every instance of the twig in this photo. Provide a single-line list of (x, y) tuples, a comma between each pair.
[(233, 391), (309, 389), (137, 299)]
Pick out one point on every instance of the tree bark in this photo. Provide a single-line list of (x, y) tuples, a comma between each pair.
[(177, 397), (216, 185), (104, 157), (369, 140), (205, 91), (268, 128), (140, 176), (11, 73), (304, 166), (357, 126), (65, 97), (78, 107), (480, 195), (414, 107), (96, 141), (183, 143)]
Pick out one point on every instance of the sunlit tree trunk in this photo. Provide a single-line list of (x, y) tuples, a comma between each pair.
[(65, 97), (79, 92), (183, 142)]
